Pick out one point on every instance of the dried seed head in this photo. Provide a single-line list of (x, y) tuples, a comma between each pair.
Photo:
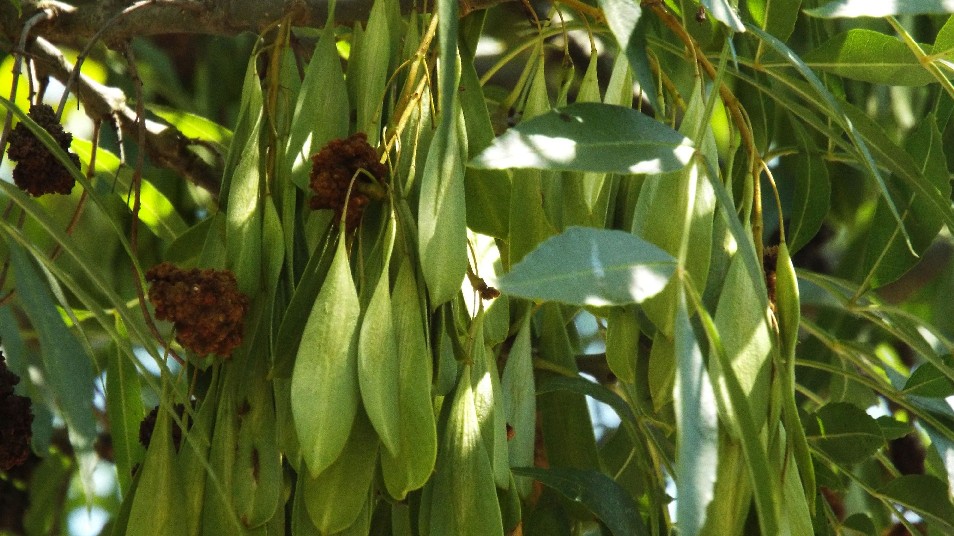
[(148, 425), (331, 173), (205, 307), (16, 421), (37, 172)]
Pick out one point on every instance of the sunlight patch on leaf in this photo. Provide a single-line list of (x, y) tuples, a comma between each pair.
[(585, 266), (594, 137)]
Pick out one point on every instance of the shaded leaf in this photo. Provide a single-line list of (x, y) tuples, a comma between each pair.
[(924, 494), (597, 492), (844, 432)]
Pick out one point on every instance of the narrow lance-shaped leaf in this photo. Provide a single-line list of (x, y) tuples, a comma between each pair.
[(697, 422), (869, 56), (588, 136), (442, 214), (869, 8), (722, 11), (627, 24), (66, 366), (584, 266)]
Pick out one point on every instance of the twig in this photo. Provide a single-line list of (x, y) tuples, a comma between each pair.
[(17, 64), (136, 186), (164, 144)]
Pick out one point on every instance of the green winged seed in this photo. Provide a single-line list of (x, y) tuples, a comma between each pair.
[(378, 360), (324, 390), (417, 452)]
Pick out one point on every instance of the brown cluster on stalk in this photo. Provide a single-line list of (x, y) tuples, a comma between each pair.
[(205, 306), (16, 421), (332, 170), (37, 172)]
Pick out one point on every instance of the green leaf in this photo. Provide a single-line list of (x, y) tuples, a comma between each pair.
[(324, 389), (847, 123), (625, 21), (125, 409), (869, 56), (776, 17), (622, 340), (924, 494), (156, 210), (588, 136), (412, 467), (378, 357), (193, 126), (153, 513), (463, 494), (743, 326), (697, 428), (372, 71), (867, 8), (585, 266), (887, 256), (67, 368), (321, 112), (724, 12), (928, 381), (520, 403), (812, 196), (597, 492), (335, 498), (442, 213), (844, 432)]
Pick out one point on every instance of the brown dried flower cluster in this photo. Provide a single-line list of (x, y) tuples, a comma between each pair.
[(205, 307), (148, 424), (331, 173), (37, 172), (16, 421)]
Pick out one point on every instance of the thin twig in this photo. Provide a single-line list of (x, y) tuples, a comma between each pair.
[(90, 172), (91, 43), (136, 186), (17, 65)]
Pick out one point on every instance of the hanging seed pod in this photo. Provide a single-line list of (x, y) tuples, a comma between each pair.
[(205, 306), (37, 172), (332, 170), (16, 420)]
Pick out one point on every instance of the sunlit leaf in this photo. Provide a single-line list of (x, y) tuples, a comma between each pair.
[(869, 8), (585, 266), (589, 137)]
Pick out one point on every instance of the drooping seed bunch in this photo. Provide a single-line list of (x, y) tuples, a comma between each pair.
[(148, 424), (16, 420), (205, 307), (331, 173), (37, 172)]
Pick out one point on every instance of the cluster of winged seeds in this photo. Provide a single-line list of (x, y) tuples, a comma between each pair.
[(16, 420), (205, 307), (332, 170), (37, 172)]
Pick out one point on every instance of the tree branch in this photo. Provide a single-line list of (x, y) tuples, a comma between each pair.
[(165, 145), (81, 21)]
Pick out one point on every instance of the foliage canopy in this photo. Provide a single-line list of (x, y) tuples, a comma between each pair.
[(373, 275)]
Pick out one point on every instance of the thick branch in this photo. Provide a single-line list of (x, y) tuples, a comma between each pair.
[(165, 145), (213, 17)]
